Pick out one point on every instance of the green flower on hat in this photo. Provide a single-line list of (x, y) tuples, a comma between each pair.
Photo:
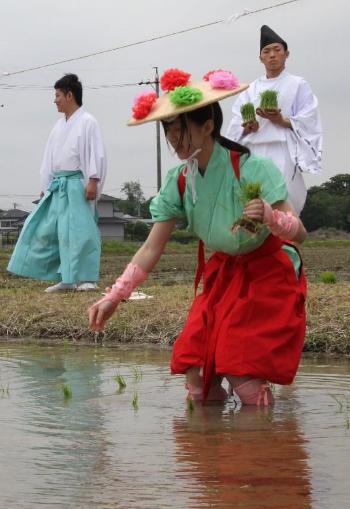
[(184, 96)]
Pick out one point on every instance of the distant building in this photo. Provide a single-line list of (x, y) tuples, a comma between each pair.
[(111, 221), (11, 223), (11, 219)]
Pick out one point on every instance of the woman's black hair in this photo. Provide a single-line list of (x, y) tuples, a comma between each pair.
[(200, 116), (71, 83)]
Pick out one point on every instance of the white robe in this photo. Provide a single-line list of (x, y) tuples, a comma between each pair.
[(293, 150), (75, 144)]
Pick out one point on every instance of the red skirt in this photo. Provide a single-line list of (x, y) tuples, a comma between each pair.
[(249, 319)]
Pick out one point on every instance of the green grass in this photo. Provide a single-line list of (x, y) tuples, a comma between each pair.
[(248, 112), (335, 243), (125, 248), (27, 312), (268, 100), (328, 277)]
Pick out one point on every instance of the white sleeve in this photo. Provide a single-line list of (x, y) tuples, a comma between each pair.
[(93, 154), (306, 129)]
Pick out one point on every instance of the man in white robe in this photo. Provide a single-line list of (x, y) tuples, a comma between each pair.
[(291, 135), (60, 239)]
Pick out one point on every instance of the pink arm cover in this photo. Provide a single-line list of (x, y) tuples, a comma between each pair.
[(281, 224), (132, 276)]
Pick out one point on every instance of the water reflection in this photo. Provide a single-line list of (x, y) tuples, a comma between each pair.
[(54, 444), (96, 451), (236, 459)]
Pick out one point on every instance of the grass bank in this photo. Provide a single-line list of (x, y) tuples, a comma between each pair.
[(26, 311)]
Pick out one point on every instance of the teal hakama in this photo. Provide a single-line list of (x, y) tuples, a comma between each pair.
[(60, 239)]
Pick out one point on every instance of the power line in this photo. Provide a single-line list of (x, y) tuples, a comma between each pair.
[(7, 86), (234, 17), (15, 195), (11, 195)]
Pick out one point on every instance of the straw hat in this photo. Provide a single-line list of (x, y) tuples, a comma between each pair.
[(215, 86)]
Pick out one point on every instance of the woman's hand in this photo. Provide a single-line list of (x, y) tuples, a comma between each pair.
[(254, 210), (99, 313)]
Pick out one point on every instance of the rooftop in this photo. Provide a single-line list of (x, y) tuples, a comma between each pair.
[(13, 214)]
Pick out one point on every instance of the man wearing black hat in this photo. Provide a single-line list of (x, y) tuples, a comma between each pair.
[(290, 135)]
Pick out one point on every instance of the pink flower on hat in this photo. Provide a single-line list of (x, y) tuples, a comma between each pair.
[(206, 75), (221, 79), (143, 104), (172, 78)]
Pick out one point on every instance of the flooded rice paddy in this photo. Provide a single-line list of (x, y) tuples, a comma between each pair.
[(73, 437)]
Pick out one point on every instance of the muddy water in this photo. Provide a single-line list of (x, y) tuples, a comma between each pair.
[(141, 447)]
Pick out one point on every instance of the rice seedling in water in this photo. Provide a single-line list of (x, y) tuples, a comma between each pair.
[(248, 112), (337, 399), (343, 401), (135, 401), (190, 405), (328, 277), (5, 391), (266, 414), (67, 391), (137, 374), (120, 381), (268, 100)]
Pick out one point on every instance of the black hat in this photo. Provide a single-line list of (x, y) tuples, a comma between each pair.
[(268, 36)]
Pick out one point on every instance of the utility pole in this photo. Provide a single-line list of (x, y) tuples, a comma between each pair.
[(159, 160)]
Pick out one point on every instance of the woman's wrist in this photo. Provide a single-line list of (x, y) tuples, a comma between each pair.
[(281, 224), (132, 276)]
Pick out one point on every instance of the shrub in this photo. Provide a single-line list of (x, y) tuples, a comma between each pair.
[(141, 230), (328, 277), (137, 231)]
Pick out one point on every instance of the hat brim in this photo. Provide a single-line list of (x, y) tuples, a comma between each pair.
[(164, 108)]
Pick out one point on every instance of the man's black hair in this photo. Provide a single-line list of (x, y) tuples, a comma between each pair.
[(71, 83)]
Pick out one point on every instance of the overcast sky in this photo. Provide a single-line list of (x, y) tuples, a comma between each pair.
[(37, 32)]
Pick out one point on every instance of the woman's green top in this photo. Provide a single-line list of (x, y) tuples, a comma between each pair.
[(212, 203)]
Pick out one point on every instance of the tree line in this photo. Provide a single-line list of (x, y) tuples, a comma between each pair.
[(327, 205)]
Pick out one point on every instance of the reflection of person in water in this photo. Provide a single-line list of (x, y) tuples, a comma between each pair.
[(251, 458), (63, 438)]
